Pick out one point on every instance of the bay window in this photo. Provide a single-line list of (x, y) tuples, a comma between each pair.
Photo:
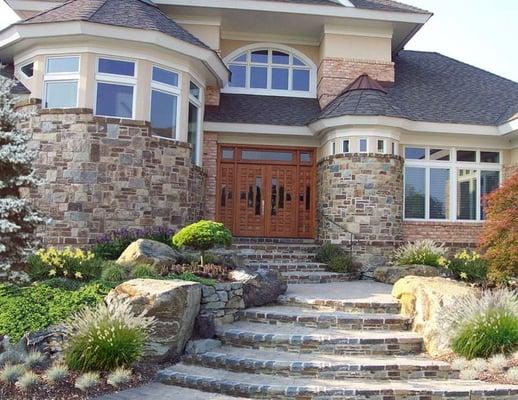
[(194, 123), (164, 102), (61, 82), (441, 187), (116, 82)]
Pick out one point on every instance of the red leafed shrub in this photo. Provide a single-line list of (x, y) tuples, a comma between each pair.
[(499, 241)]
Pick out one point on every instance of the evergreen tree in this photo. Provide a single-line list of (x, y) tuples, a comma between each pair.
[(18, 219)]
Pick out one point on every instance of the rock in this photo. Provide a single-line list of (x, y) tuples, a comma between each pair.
[(260, 287), (202, 346), (174, 304), (422, 299), (49, 341), (204, 326), (147, 251), (391, 274)]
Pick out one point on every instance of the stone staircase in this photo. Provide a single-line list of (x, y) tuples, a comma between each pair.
[(342, 340)]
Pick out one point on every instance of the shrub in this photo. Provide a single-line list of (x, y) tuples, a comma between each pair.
[(497, 363), (68, 263), (341, 264), (56, 373), (105, 337), (469, 374), (111, 245), (143, 271), (27, 381), (119, 377), (34, 359), (460, 364), (421, 252), (478, 364), (35, 307), (209, 271), (114, 273), (512, 374), (203, 236), (468, 266), (328, 251), (189, 276), (87, 381), (10, 373)]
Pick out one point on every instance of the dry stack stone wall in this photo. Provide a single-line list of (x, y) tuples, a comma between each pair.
[(105, 174), (364, 194)]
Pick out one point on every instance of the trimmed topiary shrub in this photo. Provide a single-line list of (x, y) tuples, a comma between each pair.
[(499, 241), (203, 236), (421, 252)]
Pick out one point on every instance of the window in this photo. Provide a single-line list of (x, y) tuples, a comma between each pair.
[(345, 146), (164, 102), (333, 148), (363, 145), (116, 81), (265, 155), (439, 188), (28, 70), (194, 125), (271, 71), (381, 146), (60, 82), (393, 148)]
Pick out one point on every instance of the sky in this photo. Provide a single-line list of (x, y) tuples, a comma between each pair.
[(483, 33)]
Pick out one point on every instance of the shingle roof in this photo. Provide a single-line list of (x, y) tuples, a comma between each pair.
[(429, 87), (381, 5), (8, 72), (138, 14)]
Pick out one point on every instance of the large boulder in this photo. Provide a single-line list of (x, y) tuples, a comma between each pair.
[(423, 298), (145, 251), (174, 304), (260, 286), (392, 274)]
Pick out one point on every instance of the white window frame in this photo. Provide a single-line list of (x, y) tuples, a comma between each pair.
[(33, 65), (366, 146), (168, 89), (454, 166), (333, 148), (102, 77), (348, 146), (384, 150), (199, 104), (270, 47), (60, 76)]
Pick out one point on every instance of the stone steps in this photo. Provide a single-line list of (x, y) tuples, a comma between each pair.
[(303, 339), (290, 266), (303, 277), (272, 362), (288, 388), (276, 258), (299, 316)]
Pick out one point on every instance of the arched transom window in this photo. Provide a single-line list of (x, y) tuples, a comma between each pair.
[(271, 70)]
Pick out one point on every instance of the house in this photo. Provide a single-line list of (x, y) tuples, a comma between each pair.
[(280, 118)]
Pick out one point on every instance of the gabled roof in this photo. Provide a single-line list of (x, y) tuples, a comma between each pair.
[(380, 5), (137, 14)]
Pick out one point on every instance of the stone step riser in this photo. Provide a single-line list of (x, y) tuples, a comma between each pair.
[(289, 267), (318, 371), (291, 248), (272, 241), (258, 391), (375, 324), (307, 279), (331, 305), (278, 259)]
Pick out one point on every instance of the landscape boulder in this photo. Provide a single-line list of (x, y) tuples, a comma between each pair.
[(145, 251), (174, 304), (423, 299), (260, 286), (392, 274)]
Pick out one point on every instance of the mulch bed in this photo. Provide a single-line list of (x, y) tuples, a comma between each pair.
[(142, 374)]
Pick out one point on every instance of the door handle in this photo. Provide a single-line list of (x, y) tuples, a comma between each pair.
[(262, 207)]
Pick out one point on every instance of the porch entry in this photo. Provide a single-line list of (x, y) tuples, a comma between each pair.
[(266, 191)]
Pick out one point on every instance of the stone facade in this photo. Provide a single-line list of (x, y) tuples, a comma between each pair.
[(362, 193), (103, 174), (222, 301), (454, 235), (212, 96), (210, 163), (335, 74)]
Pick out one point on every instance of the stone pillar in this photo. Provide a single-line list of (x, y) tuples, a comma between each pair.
[(212, 96), (364, 194), (210, 157)]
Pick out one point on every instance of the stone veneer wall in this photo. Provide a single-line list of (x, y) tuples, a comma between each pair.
[(454, 235), (222, 301), (364, 193), (335, 74), (210, 162), (104, 174)]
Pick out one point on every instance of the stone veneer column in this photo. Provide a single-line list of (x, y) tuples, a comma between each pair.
[(210, 156), (212, 95), (335, 74), (105, 174), (364, 193)]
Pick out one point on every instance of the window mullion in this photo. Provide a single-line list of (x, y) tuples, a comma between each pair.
[(427, 193), (479, 193)]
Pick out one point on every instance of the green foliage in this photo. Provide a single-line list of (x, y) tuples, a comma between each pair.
[(468, 266), (341, 264), (114, 273), (10, 373), (144, 271), (106, 337), (35, 307), (203, 236), (34, 359), (421, 252), (491, 333), (328, 251), (189, 276), (56, 373), (119, 377), (68, 263), (28, 381)]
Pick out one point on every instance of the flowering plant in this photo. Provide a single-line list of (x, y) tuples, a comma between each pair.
[(421, 252), (467, 265)]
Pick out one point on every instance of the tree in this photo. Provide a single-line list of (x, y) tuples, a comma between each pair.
[(203, 236), (18, 219), (500, 236)]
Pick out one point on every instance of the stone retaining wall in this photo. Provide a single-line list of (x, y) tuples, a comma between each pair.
[(103, 174), (223, 301)]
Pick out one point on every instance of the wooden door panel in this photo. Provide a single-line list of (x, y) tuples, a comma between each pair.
[(281, 209), (227, 195), (250, 219), (306, 202)]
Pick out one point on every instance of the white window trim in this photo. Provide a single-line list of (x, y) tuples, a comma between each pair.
[(384, 150), (348, 145), (360, 146), (198, 103), (60, 77), (310, 66), (168, 89), (454, 166), (101, 77), (20, 69), (333, 148)]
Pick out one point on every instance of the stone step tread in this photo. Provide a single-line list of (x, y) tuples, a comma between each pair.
[(278, 256), (296, 313), (290, 386), (312, 274), (306, 334), (324, 360), (276, 245), (289, 263)]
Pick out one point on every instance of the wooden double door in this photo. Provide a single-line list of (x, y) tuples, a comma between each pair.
[(267, 199)]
